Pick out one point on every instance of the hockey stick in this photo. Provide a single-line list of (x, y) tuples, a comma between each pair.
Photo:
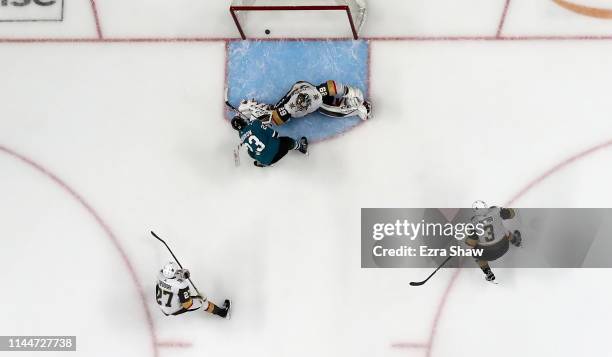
[(237, 155), (419, 283), (177, 261), (232, 108)]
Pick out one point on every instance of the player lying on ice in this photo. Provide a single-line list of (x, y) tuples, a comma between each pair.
[(174, 297), (331, 98), (263, 143), (496, 240)]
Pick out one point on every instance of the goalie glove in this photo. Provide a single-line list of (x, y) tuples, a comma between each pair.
[(256, 111), (183, 274)]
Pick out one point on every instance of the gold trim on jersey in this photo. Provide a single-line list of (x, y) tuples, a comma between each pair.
[(331, 88), (472, 242), (276, 118), (187, 304)]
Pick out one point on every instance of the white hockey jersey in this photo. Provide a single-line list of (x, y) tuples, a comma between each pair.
[(171, 294), (297, 110), (494, 229)]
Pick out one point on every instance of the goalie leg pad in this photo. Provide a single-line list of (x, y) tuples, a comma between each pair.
[(346, 108), (354, 94)]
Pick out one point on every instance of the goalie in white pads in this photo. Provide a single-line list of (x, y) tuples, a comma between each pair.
[(331, 98), (496, 238), (173, 294)]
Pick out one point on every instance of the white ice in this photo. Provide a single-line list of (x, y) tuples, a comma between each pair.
[(136, 129)]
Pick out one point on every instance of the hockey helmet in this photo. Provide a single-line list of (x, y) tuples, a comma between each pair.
[(238, 123), (170, 270), (303, 101), (479, 207)]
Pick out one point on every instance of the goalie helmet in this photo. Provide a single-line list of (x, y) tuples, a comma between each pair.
[(303, 101), (238, 123), (480, 207), (170, 270)]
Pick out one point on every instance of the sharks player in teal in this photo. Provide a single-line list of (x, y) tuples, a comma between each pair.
[(263, 143)]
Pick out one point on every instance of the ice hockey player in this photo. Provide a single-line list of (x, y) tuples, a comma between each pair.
[(263, 143), (496, 239), (174, 296), (331, 98)]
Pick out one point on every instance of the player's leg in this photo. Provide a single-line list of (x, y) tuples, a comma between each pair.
[(344, 101), (216, 310), (486, 269), (196, 304), (287, 144)]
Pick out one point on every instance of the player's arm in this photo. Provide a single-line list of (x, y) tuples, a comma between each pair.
[(184, 293), (472, 238), (268, 130), (274, 133), (507, 213), (186, 299), (331, 89), (280, 115)]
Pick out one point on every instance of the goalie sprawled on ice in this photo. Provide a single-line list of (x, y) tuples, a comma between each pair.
[(331, 98)]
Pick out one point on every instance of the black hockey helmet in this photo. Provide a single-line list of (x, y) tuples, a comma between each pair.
[(238, 123), (303, 101)]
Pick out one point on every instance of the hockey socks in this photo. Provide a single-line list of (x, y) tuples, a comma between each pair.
[(216, 310), (488, 273)]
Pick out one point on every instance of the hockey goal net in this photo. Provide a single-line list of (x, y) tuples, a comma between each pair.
[(298, 18)]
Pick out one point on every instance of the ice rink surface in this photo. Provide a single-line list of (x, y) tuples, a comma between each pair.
[(112, 124)]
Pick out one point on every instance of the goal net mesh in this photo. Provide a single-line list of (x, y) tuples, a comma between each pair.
[(299, 18)]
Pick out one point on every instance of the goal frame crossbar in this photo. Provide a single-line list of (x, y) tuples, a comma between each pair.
[(346, 8)]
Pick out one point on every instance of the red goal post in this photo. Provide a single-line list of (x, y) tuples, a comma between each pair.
[(354, 10)]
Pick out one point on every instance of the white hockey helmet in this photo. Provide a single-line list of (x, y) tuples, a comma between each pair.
[(170, 270), (479, 207)]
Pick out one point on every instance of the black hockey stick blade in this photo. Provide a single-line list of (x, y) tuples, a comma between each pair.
[(229, 105), (419, 283)]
